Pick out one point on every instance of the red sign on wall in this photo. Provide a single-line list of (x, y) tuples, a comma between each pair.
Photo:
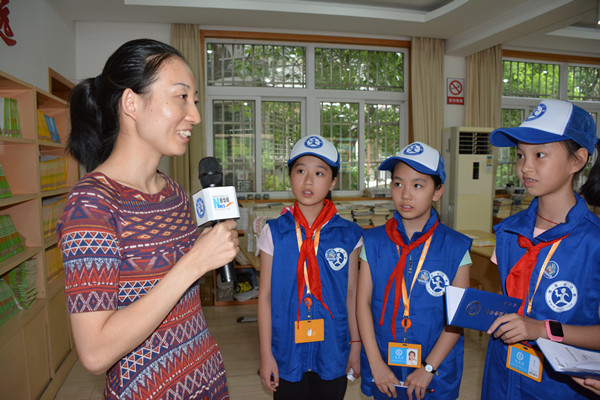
[(455, 91), (5, 32)]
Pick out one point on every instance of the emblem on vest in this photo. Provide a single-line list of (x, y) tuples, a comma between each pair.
[(561, 296), (551, 270), (336, 258), (437, 283), (423, 278)]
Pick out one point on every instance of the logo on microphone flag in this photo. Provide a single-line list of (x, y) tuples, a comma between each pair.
[(200, 209)]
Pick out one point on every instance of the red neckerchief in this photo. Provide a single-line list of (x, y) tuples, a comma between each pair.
[(517, 281), (307, 252), (398, 273)]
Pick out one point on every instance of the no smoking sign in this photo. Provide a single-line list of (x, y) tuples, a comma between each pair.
[(455, 91)]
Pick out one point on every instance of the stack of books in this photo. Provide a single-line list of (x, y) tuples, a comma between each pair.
[(47, 128), (8, 305), (502, 207), (362, 215), (10, 124), (10, 240), (521, 202), (382, 212), (4, 188), (52, 209), (53, 172), (344, 211), (21, 280), (53, 262)]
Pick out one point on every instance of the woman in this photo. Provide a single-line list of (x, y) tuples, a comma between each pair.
[(131, 251)]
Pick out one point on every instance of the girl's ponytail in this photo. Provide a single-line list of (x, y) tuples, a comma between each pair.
[(590, 190)]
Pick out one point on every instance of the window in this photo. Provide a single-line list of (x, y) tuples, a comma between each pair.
[(525, 82), (281, 130), (255, 65), (584, 83), (348, 69), (529, 79), (263, 97), (506, 172)]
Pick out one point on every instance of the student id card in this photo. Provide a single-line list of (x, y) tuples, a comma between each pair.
[(525, 360), (310, 330), (404, 354)]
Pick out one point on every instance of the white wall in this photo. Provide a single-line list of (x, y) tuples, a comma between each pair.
[(96, 41), (454, 67), (43, 40)]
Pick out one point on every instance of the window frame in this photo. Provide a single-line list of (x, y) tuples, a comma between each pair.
[(528, 104), (310, 99)]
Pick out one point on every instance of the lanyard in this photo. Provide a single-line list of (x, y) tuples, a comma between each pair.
[(542, 270), (316, 240), (405, 294)]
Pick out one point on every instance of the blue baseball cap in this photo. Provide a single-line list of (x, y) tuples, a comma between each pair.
[(419, 156), (317, 146), (551, 121)]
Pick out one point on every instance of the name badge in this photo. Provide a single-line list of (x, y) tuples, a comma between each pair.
[(310, 330), (404, 354), (525, 360)]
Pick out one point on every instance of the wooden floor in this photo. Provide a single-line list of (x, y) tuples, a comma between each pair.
[(239, 346)]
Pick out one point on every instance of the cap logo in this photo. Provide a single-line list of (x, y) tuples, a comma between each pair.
[(414, 149), (313, 142), (538, 112)]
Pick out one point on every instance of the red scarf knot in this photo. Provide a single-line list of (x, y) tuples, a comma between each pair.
[(307, 252), (398, 273), (517, 281)]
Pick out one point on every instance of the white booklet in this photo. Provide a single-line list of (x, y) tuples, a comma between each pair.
[(570, 360)]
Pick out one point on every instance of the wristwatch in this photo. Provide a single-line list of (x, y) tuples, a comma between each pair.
[(554, 331), (429, 368)]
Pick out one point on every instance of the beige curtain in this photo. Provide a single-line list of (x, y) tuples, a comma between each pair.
[(484, 88), (186, 39), (427, 81)]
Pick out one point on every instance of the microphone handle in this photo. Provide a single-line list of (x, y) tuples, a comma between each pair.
[(226, 272)]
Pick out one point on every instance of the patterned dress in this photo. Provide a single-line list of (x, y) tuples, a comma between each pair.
[(117, 243)]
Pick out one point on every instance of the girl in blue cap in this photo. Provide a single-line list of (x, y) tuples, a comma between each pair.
[(405, 266), (547, 255), (308, 334)]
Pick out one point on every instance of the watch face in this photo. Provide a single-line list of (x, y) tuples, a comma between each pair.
[(556, 329), (428, 368)]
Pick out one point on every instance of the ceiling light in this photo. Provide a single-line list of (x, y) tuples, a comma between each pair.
[(598, 12)]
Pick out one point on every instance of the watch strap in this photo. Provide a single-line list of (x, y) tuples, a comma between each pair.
[(429, 368)]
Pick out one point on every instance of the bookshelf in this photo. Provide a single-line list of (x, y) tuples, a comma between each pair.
[(36, 348)]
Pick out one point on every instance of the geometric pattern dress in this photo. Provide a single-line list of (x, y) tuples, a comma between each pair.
[(116, 244)]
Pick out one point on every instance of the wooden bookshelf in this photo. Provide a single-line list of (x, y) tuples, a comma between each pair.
[(36, 348)]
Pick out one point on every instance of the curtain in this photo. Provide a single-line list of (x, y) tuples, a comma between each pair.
[(427, 81), (484, 88), (186, 39)]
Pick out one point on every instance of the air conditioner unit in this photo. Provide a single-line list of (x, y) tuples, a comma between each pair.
[(468, 199)]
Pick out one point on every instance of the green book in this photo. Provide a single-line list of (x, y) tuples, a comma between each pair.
[(4, 188)]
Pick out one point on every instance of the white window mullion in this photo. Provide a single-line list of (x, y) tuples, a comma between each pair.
[(258, 145), (361, 146), (313, 109), (563, 87)]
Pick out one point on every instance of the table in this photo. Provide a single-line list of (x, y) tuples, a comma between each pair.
[(484, 273)]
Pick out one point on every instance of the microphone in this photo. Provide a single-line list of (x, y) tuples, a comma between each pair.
[(215, 203)]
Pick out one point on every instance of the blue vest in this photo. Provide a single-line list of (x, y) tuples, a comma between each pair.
[(328, 358), (569, 292), (427, 306)]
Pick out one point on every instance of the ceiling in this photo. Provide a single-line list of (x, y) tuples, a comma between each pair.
[(468, 26)]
